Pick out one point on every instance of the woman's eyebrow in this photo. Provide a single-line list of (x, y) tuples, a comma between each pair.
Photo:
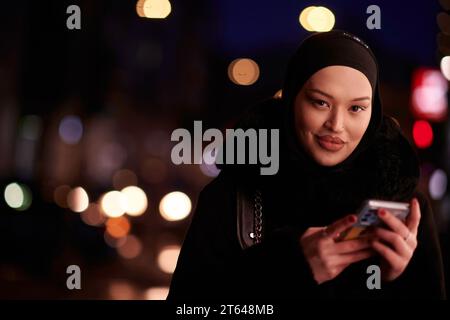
[(362, 98), (331, 97), (321, 92)]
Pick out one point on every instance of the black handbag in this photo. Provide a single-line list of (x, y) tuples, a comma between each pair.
[(249, 217)]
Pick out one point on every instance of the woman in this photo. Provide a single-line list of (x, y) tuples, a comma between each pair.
[(337, 149)]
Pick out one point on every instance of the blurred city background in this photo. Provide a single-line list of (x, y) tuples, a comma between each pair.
[(86, 116)]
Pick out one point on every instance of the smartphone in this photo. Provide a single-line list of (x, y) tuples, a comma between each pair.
[(368, 217)]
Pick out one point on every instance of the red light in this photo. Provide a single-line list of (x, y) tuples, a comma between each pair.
[(429, 95), (422, 134)]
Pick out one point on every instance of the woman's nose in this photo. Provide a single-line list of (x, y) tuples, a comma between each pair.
[(335, 122)]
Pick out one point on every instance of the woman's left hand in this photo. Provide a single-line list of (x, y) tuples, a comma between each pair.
[(396, 246)]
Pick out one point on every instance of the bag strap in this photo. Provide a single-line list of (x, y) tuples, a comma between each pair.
[(249, 217)]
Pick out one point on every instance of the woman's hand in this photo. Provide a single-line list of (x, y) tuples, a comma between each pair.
[(396, 246), (328, 258)]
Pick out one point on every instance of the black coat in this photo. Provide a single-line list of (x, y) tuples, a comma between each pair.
[(212, 265)]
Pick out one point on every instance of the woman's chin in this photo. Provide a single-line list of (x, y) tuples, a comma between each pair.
[(327, 160)]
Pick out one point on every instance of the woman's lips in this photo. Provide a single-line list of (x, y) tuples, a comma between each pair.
[(328, 145)]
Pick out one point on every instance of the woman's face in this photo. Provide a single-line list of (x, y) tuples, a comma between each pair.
[(332, 112)]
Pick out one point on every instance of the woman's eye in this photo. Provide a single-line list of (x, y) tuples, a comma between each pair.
[(320, 103), (357, 109)]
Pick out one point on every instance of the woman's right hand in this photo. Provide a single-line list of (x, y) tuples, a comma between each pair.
[(328, 258)]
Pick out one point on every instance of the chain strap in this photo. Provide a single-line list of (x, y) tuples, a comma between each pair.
[(258, 216)]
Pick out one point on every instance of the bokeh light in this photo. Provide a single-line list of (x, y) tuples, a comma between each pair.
[(113, 204), (429, 95), (31, 127), (78, 199), (113, 242), (60, 195), (14, 196), (71, 129), (175, 206), (302, 18), (131, 248), (135, 201), (140, 8), (17, 196), (93, 216), (155, 9), (445, 67), (243, 72), (438, 184), (278, 94), (422, 134), (156, 293), (320, 19), (167, 258), (121, 290), (118, 227)]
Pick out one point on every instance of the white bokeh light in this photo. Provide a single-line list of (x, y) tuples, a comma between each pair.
[(320, 19), (155, 9), (175, 206), (113, 204), (445, 67), (429, 95), (78, 199), (17, 196), (135, 200), (167, 258), (14, 196)]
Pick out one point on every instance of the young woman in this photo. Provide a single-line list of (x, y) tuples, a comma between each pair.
[(337, 149)]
